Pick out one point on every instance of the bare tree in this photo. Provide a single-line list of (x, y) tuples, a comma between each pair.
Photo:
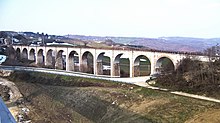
[(85, 43)]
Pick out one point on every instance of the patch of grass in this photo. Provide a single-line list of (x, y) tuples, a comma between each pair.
[(151, 93), (173, 108), (60, 80), (178, 110)]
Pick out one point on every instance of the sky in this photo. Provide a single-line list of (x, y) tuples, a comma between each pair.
[(126, 18)]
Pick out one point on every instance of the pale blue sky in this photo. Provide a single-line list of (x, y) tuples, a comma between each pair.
[(142, 18)]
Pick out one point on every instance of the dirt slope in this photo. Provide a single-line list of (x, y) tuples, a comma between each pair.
[(62, 99), (210, 116)]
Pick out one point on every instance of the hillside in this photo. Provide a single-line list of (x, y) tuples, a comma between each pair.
[(186, 44), (180, 43), (55, 98)]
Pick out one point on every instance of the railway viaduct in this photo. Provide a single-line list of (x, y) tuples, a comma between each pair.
[(101, 61)]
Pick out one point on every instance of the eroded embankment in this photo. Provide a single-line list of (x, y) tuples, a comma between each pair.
[(55, 98), (58, 98)]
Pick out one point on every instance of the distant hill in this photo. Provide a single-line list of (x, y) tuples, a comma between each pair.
[(186, 44), (179, 43)]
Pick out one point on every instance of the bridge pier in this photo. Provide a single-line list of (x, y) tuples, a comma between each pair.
[(94, 65), (60, 63), (136, 70), (116, 69), (50, 58), (131, 69), (40, 58), (99, 68)]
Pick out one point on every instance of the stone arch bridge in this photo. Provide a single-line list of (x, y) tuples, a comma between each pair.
[(102, 61)]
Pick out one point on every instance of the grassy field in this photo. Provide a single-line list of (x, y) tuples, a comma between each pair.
[(56, 98)]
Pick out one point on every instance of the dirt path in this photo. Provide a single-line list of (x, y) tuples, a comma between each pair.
[(144, 84)]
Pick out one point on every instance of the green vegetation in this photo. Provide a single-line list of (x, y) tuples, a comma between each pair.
[(59, 80), (195, 77), (172, 108)]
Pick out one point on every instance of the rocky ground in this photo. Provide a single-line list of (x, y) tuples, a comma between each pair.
[(4, 92)]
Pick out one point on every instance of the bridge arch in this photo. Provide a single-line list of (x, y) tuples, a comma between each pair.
[(40, 57), (103, 64), (142, 66), (121, 66), (50, 61), (164, 65), (73, 61), (24, 54), (32, 55), (60, 62), (18, 53), (87, 62)]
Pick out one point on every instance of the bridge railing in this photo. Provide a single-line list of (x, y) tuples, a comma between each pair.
[(129, 49)]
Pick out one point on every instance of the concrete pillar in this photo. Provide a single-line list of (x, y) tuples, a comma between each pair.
[(136, 70), (99, 67), (153, 69), (80, 60), (176, 64), (28, 56), (59, 63), (68, 63), (84, 65), (131, 69), (131, 65), (44, 55), (153, 65), (50, 60), (112, 65), (36, 56), (94, 64), (46, 58), (116, 68)]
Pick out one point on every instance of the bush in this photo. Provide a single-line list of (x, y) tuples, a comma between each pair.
[(195, 77)]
